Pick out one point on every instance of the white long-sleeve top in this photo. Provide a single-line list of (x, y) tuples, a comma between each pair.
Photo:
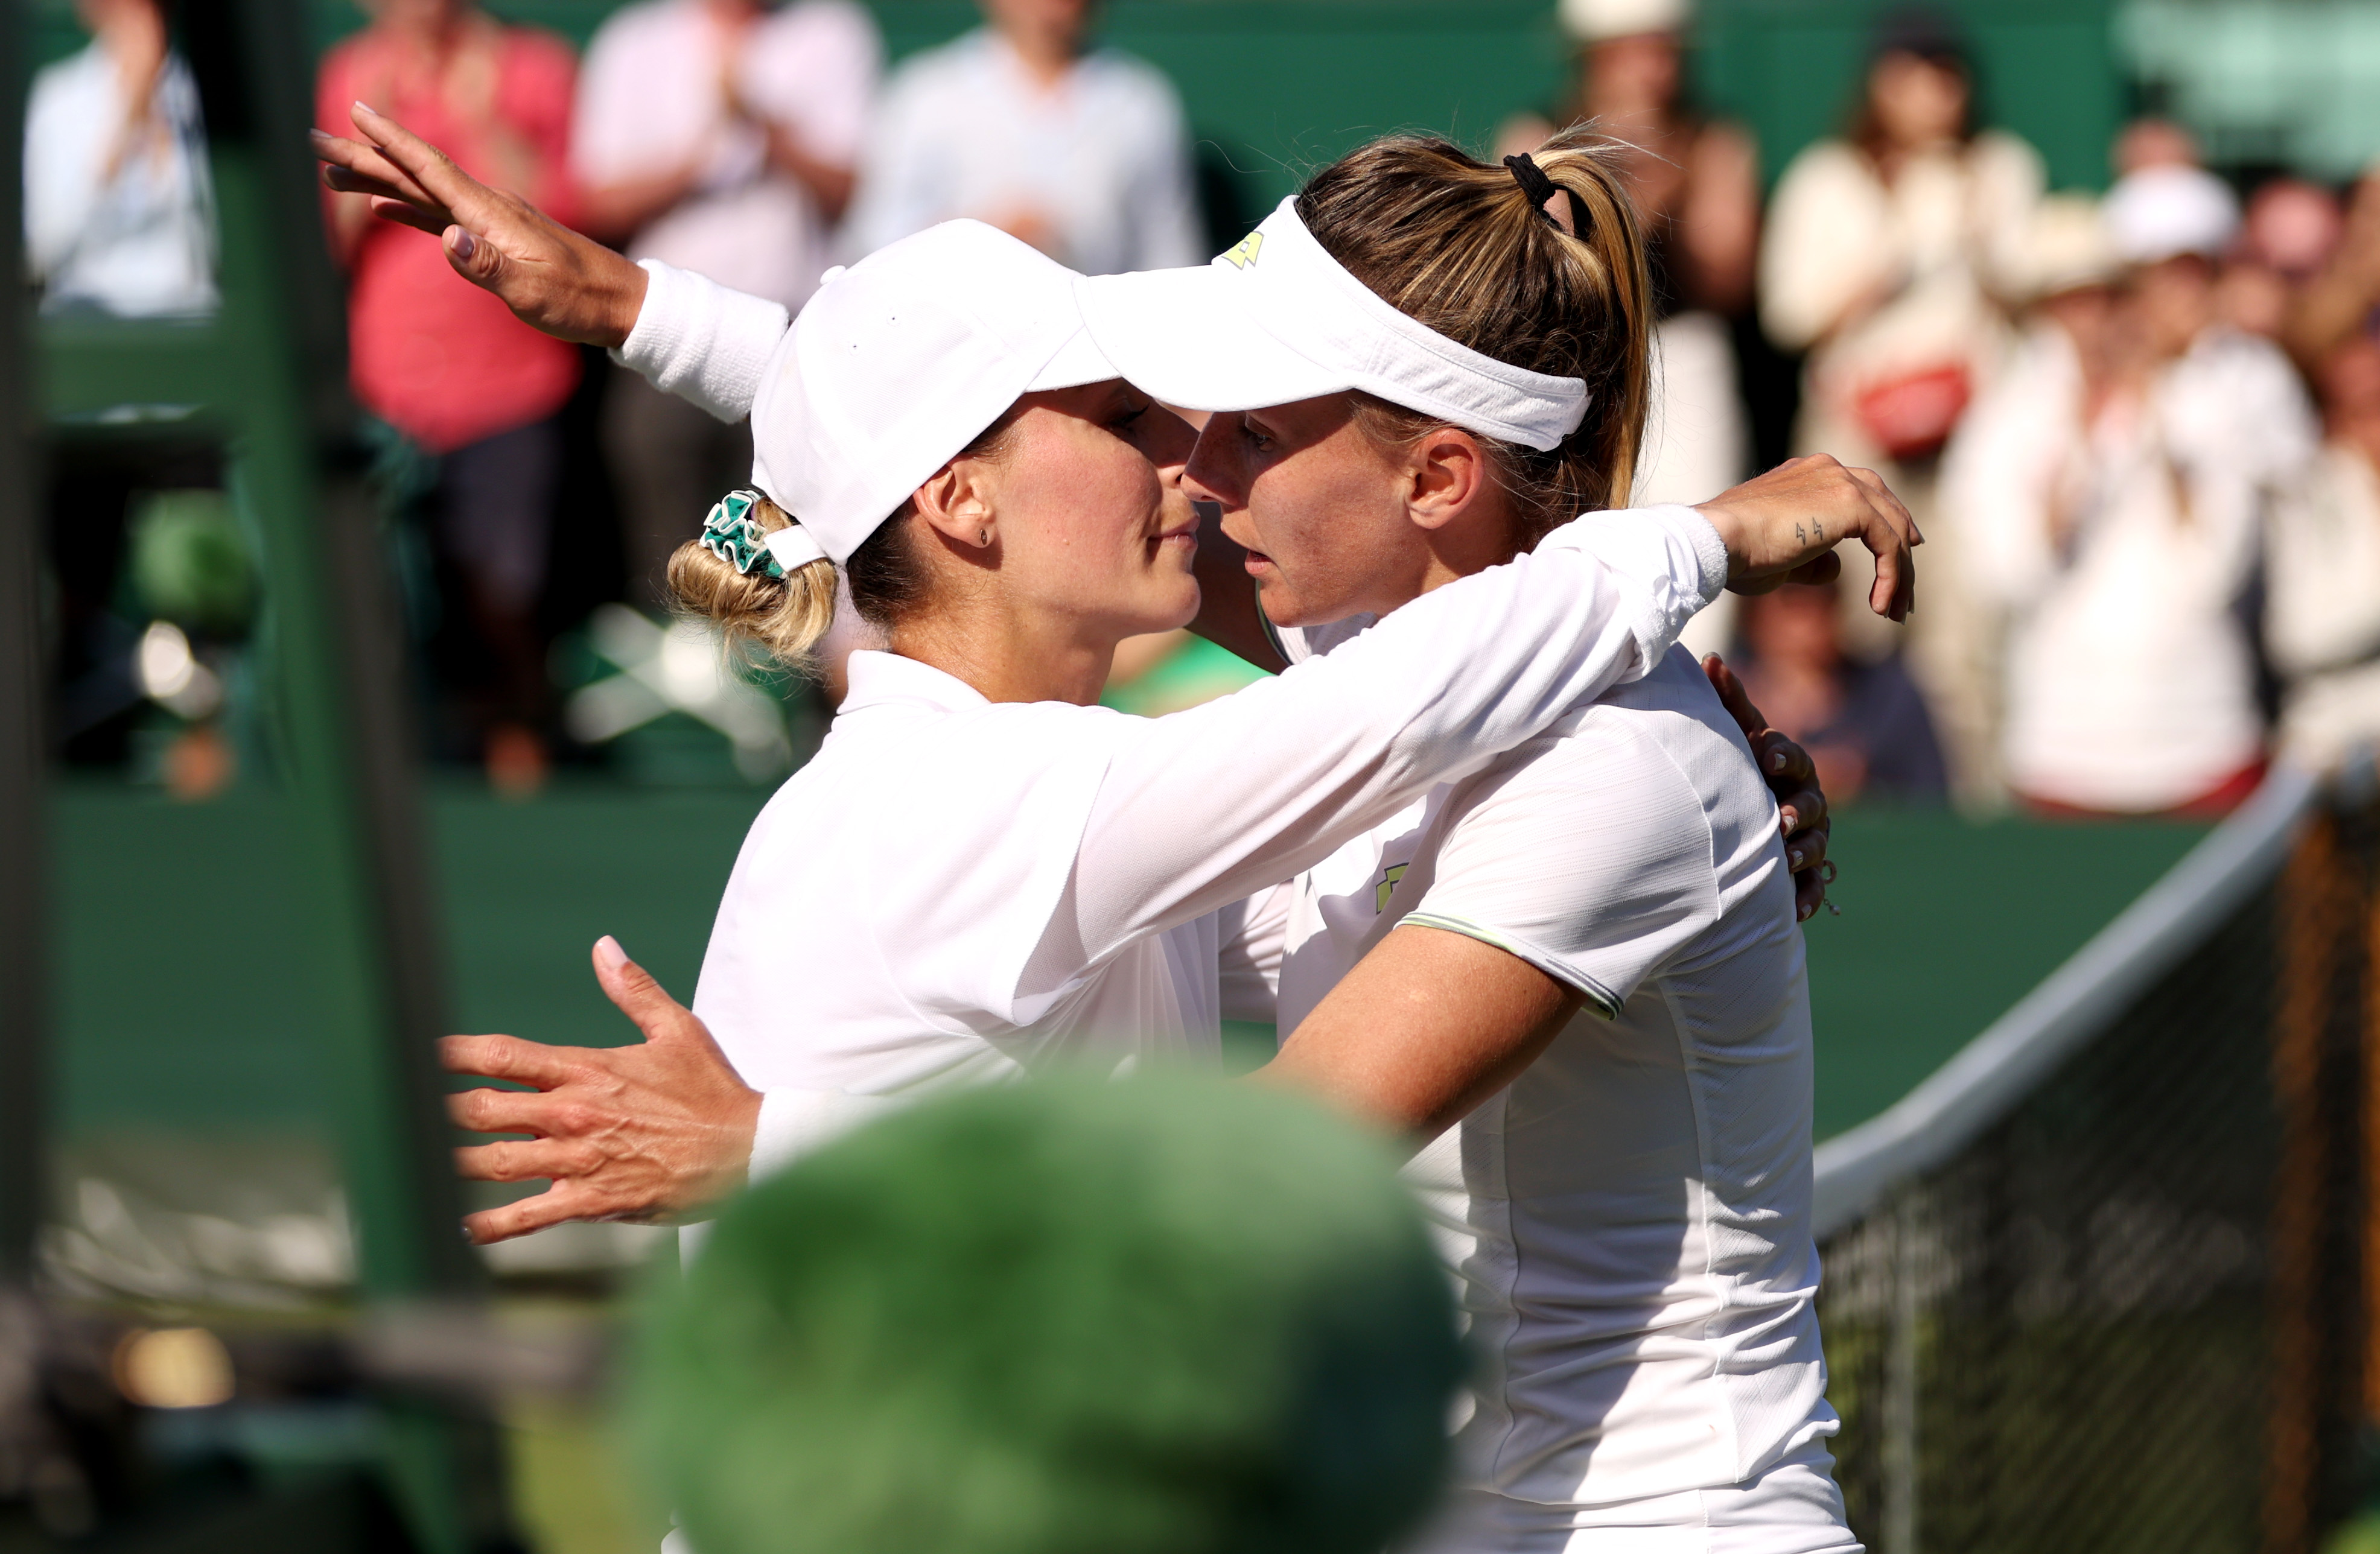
[(2130, 679), (953, 890)]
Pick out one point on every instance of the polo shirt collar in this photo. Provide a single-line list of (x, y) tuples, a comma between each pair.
[(888, 680)]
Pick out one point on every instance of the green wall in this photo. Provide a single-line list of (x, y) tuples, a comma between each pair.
[(186, 998)]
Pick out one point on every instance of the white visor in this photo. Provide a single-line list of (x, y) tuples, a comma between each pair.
[(1277, 318)]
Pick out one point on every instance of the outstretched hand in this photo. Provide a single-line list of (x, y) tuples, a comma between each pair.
[(646, 1133), (1783, 527), (1802, 817), (554, 279)]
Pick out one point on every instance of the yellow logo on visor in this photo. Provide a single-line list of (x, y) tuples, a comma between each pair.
[(1244, 253)]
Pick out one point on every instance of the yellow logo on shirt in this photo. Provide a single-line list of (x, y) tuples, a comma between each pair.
[(1244, 253), (1389, 878)]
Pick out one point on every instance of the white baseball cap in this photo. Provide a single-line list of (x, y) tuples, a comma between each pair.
[(1277, 318), (894, 366), (2166, 211)]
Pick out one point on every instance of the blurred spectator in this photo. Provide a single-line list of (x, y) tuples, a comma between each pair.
[(2322, 620), (1864, 724), (119, 212), (717, 136), (2114, 480), (1080, 153), (444, 362), (2292, 229), (1882, 253), (1697, 183)]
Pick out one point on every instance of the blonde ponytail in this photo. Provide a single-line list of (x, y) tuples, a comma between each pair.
[(779, 618), (1460, 245)]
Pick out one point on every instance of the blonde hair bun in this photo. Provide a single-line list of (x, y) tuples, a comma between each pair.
[(777, 618)]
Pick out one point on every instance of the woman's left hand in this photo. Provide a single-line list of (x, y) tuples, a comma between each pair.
[(649, 1134), (1793, 778)]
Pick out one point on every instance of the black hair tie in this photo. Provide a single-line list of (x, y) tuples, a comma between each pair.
[(1541, 190)]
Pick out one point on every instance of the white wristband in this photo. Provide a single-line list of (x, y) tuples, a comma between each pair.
[(700, 341)]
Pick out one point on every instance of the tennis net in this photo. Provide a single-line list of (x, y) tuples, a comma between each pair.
[(2098, 1284)]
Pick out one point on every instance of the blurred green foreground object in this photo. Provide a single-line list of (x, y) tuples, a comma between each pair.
[(1068, 1316)]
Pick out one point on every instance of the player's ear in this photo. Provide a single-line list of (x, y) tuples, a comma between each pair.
[(957, 502), (1446, 473)]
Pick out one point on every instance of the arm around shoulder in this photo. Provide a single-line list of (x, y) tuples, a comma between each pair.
[(1199, 808)]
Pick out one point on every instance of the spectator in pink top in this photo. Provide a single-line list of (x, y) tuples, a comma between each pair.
[(442, 360)]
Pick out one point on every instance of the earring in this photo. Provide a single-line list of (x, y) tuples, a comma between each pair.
[(983, 537)]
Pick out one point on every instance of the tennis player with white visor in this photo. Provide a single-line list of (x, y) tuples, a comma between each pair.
[(1630, 1205), (1679, 1264)]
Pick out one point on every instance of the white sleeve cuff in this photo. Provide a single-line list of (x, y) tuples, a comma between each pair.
[(1709, 549), (702, 341), (1671, 553), (798, 1122)]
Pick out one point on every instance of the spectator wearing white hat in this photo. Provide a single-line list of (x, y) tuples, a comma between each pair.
[(1078, 151), (2128, 461), (1884, 252), (1697, 183)]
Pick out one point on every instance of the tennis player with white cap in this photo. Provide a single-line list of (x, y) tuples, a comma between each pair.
[(1670, 888)]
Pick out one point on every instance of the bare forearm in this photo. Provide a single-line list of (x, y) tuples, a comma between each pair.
[(1426, 1027)]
